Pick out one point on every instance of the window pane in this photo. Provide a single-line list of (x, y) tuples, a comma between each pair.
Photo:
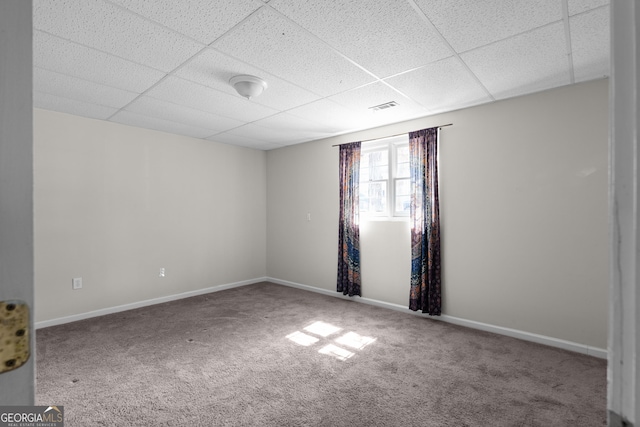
[(377, 159), (374, 165), (402, 161), (364, 160), (373, 197), (379, 172), (403, 170), (403, 154), (365, 203), (403, 187), (402, 196), (364, 167), (403, 204), (378, 196), (364, 174)]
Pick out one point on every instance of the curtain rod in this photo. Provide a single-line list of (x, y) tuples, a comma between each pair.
[(390, 136)]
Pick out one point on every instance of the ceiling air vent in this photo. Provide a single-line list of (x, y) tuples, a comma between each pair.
[(384, 106)]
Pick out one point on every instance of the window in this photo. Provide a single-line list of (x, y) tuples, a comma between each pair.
[(384, 178)]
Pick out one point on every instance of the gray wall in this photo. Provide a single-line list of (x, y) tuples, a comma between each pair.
[(524, 215), (114, 204), (523, 202)]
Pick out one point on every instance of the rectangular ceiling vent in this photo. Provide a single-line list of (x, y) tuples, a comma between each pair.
[(384, 106)]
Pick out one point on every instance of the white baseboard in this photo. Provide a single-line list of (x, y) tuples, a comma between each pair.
[(527, 336), (131, 306), (515, 333)]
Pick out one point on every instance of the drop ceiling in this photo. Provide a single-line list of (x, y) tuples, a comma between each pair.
[(166, 64)]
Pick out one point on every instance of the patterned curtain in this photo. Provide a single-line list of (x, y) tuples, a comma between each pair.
[(349, 228), (425, 292)]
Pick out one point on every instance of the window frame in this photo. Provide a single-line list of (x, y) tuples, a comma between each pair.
[(391, 145)]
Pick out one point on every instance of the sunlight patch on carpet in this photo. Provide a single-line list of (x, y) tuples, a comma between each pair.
[(321, 328), (335, 351), (353, 340), (302, 338)]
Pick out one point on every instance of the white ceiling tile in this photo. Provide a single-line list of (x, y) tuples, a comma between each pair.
[(203, 20), (289, 122), (393, 37), (467, 24), (441, 86), (139, 120), (332, 114), (214, 69), (71, 106), (274, 44), (165, 110), (590, 39), (226, 138), (579, 6), (252, 131), (274, 135), (319, 57), (530, 62), (193, 95), (73, 59), (111, 29), (289, 129), (360, 100), (81, 90)]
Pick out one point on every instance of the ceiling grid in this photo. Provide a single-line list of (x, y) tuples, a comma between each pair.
[(166, 64)]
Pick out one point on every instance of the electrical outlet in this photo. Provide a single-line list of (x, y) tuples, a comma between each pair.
[(161, 272), (77, 283)]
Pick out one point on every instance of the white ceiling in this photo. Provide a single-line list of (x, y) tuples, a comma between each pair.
[(166, 64)]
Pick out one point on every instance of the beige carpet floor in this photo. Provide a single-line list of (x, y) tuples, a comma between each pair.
[(269, 355)]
